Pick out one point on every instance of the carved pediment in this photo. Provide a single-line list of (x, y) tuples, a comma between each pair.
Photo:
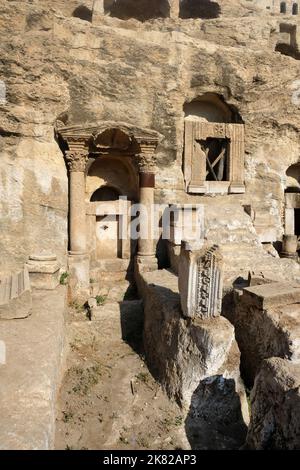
[(108, 135)]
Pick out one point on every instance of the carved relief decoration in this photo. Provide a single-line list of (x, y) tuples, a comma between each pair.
[(208, 302)]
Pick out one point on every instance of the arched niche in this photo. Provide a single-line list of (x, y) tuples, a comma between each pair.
[(141, 10), (210, 107), (115, 172), (205, 9), (293, 179), (83, 12), (115, 139)]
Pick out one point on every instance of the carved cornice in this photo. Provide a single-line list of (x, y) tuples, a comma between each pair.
[(143, 142), (90, 132), (77, 160)]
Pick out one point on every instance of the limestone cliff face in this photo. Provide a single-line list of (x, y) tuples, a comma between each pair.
[(55, 66)]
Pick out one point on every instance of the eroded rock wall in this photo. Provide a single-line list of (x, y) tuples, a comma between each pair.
[(275, 399), (197, 362), (60, 67), (267, 329)]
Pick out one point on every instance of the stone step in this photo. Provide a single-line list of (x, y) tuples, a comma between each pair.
[(114, 292), (126, 317), (113, 265)]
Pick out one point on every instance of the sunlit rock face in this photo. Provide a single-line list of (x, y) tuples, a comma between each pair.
[(272, 426), (60, 65)]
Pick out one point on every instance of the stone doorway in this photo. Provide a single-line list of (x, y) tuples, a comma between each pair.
[(111, 187), (108, 243)]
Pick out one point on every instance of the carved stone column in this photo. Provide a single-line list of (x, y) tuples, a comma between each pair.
[(77, 159), (146, 243), (76, 162), (174, 8)]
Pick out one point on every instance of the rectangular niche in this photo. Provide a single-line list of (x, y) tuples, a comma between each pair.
[(214, 157)]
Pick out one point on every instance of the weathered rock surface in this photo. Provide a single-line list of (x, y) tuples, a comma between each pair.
[(55, 66), (31, 374), (108, 399), (193, 359), (15, 296), (275, 399), (267, 324)]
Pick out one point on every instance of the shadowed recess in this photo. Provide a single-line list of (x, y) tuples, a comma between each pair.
[(141, 10), (204, 9), (83, 13)]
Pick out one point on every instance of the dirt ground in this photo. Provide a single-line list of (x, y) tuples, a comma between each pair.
[(108, 399)]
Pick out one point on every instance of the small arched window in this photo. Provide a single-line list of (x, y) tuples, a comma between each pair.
[(295, 9), (283, 7)]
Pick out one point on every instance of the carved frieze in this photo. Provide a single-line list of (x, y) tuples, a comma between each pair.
[(146, 159), (208, 292), (201, 282)]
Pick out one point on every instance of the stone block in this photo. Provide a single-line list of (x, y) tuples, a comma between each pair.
[(257, 278), (197, 362), (272, 295), (266, 326), (186, 222), (200, 280), (31, 375), (44, 271), (15, 296), (79, 283)]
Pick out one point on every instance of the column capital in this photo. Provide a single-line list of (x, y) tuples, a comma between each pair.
[(77, 160), (146, 163), (146, 158), (174, 8)]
